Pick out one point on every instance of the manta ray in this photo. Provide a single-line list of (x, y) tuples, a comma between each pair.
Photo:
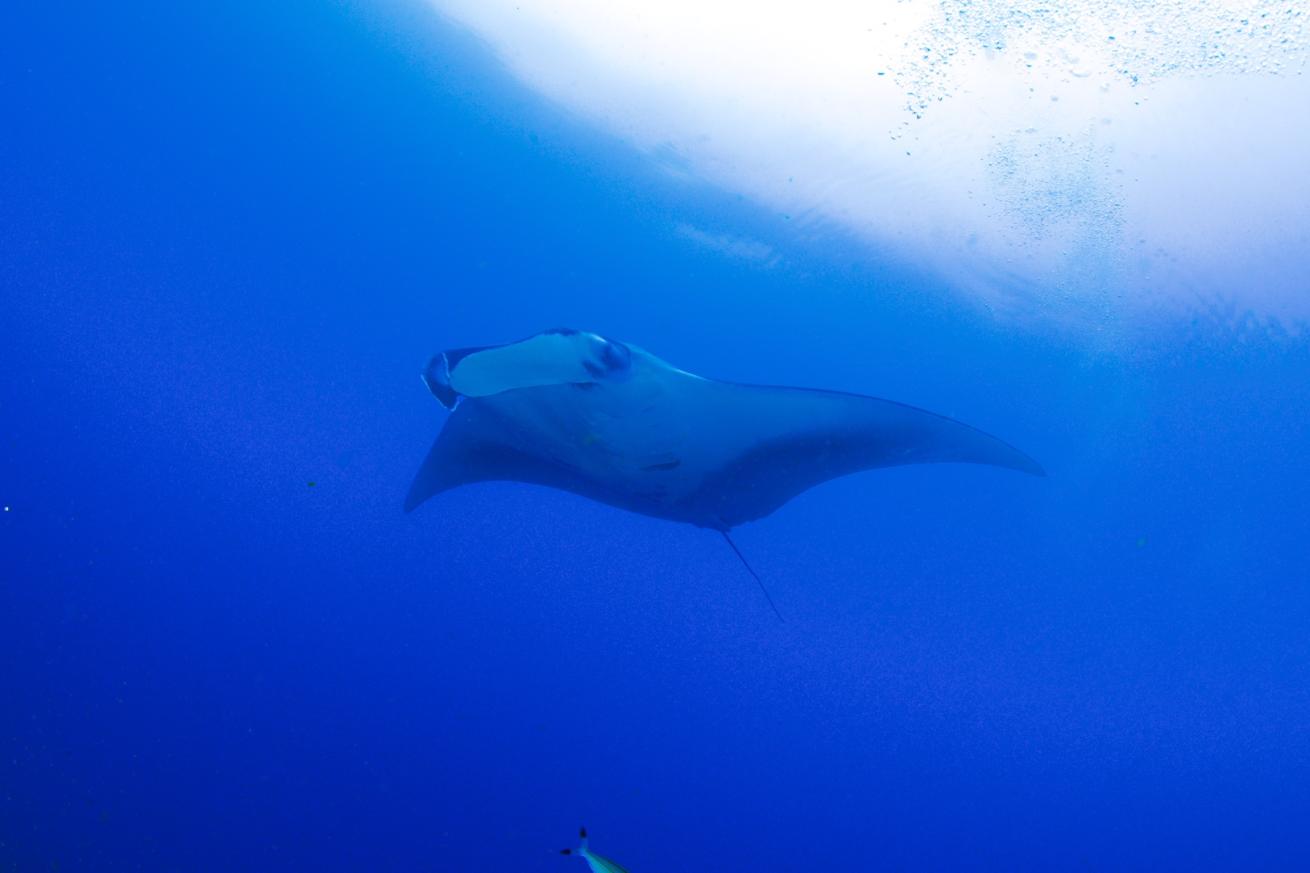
[(612, 422)]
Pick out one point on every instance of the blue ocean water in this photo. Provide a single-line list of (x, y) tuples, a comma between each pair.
[(231, 236)]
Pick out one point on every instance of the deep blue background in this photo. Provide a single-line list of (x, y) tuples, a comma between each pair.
[(230, 237)]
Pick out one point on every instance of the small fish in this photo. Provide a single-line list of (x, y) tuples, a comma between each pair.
[(597, 863)]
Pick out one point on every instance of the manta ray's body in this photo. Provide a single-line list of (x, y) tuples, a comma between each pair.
[(609, 421)]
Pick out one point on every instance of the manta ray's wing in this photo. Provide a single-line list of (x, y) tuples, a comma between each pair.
[(760, 446), (479, 444)]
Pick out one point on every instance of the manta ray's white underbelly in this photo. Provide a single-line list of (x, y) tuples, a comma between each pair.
[(632, 436)]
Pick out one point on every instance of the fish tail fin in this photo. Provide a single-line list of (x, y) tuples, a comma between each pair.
[(581, 850), (751, 570)]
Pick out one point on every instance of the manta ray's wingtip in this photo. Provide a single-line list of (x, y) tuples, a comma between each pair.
[(1003, 454), (426, 481), (1033, 467), (1030, 466)]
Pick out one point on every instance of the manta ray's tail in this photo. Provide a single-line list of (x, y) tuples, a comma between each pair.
[(750, 570)]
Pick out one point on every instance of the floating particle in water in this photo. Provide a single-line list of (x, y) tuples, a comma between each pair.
[(312, 483)]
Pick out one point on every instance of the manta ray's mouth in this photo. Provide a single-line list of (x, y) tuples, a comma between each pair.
[(557, 357)]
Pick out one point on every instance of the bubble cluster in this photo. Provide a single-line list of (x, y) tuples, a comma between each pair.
[(1135, 41), (1058, 197)]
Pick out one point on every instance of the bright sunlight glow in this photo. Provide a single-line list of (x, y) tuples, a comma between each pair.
[(1075, 160)]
